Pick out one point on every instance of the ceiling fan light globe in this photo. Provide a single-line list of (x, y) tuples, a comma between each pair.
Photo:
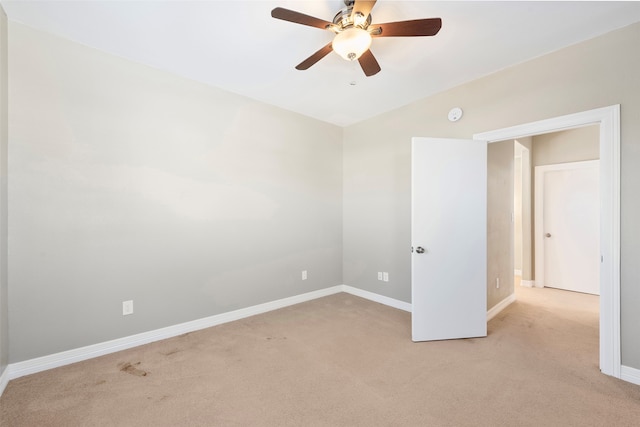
[(351, 43)]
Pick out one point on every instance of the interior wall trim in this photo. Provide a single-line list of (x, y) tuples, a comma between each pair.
[(493, 312), (32, 366), (401, 305), (629, 374), (39, 364), (528, 283), (4, 379)]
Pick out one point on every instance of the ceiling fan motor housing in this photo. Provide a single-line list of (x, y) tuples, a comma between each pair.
[(343, 19)]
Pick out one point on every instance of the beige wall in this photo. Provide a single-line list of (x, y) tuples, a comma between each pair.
[(596, 73), (568, 146), (131, 183), (4, 122), (500, 230), (517, 213)]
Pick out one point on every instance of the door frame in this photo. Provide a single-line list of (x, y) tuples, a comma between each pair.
[(539, 210), (608, 118)]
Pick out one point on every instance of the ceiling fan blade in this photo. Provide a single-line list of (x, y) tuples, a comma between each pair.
[(304, 65), (416, 27), (362, 6), (369, 64), (299, 18)]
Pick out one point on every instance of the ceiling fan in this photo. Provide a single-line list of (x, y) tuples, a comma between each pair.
[(354, 32)]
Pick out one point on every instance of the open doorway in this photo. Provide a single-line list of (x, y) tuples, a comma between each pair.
[(608, 119), (556, 210), (556, 228)]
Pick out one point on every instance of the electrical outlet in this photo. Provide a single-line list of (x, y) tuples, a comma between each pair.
[(385, 276), (379, 275), (127, 307), (304, 274), (497, 283)]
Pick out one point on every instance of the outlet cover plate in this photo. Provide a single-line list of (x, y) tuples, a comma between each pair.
[(127, 307)]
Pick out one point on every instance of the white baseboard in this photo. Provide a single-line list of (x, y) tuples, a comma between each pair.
[(27, 367), (517, 272), (19, 369), (401, 305), (631, 375), (500, 306), (39, 364), (4, 379), (407, 306), (527, 283), (538, 284)]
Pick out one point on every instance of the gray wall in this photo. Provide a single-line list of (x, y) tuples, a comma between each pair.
[(4, 122), (500, 229), (593, 74), (131, 183)]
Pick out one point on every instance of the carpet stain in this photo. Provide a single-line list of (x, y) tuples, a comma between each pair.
[(159, 399), (131, 369), (100, 382), (174, 351)]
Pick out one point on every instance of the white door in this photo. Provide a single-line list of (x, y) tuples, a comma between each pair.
[(571, 226), (449, 239)]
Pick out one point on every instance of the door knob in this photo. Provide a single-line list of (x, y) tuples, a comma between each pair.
[(420, 250), (548, 234)]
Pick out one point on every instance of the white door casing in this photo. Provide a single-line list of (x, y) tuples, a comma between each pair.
[(522, 209), (608, 118), (449, 222), (567, 226)]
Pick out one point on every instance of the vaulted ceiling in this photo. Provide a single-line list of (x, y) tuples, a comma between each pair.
[(237, 46)]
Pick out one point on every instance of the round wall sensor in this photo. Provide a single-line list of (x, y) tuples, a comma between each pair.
[(455, 114)]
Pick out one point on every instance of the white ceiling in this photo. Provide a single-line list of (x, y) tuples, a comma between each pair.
[(237, 46)]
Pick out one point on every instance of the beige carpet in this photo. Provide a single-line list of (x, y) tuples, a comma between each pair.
[(345, 361)]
